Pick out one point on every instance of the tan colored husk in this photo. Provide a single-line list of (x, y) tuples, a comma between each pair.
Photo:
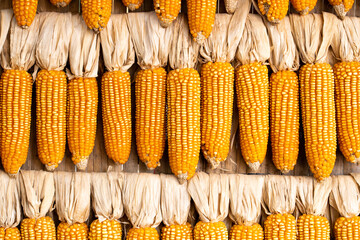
[(345, 196), (37, 193), (254, 45), (284, 54), (6, 16), (231, 5), (175, 201), (313, 34), (245, 198), (118, 49), (84, 50), (210, 193), (106, 195), (312, 196), (10, 209), (19, 47), (151, 41), (72, 196), (279, 194), (141, 198)]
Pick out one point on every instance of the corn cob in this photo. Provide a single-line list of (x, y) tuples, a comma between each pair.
[(150, 94), (311, 227), (9, 233), (133, 4), (347, 228), (303, 6), (24, 11), (96, 13), (38, 229), (253, 232), (76, 231), (16, 90), (210, 230), (116, 109), (280, 226), (174, 232), (341, 7), (167, 11), (108, 229), (142, 234), (60, 3), (82, 112), (273, 10)]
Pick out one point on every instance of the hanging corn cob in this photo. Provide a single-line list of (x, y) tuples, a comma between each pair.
[(167, 11), (210, 194), (272, 10), (82, 92), (72, 204), (60, 3), (284, 96), (51, 55), (312, 200), (119, 55), (279, 197), (133, 4), (24, 11), (16, 91), (303, 6), (313, 34), (141, 197), (107, 204), (252, 89), (37, 199), (96, 13), (341, 7), (245, 207), (152, 46)]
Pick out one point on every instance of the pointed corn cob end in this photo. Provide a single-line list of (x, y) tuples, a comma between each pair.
[(80, 162), (60, 3), (340, 11), (25, 12)]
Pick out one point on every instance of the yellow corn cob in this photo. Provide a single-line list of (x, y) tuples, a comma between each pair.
[(253, 232), (252, 89), (96, 13), (310, 227), (142, 234), (210, 231), (347, 96), (38, 229), (167, 11), (76, 231), (150, 96), (81, 117), (116, 111), (318, 116), (217, 89), (133, 4), (16, 90), (347, 228), (60, 3), (284, 115), (183, 91), (342, 6), (280, 227), (51, 117), (303, 6), (175, 232), (201, 15), (9, 233), (274, 10), (24, 11), (108, 229)]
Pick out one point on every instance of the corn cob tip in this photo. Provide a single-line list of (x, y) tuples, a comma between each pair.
[(213, 163), (254, 166), (132, 6), (200, 38), (61, 4), (151, 165), (165, 24), (340, 11), (285, 170), (82, 164), (13, 175), (304, 11), (182, 178), (50, 168)]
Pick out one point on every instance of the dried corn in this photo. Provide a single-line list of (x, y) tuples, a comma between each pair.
[(133, 4), (38, 229), (24, 11), (167, 11), (96, 13), (60, 3)]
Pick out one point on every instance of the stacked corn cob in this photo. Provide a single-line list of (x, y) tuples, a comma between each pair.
[(107, 204), (205, 190), (284, 96), (16, 91), (183, 116), (37, 199), (252, 89), (72, 204), (24, 11), (133, 4), (273, 10), (317, 90), (245, 207), (96, 13), (141, 197), (167, 11), (119, 56), (82, 92), (152, 46), (303, 6), (60, 3), (51, 55), (342, 7)]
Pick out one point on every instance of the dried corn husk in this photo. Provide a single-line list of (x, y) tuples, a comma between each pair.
[(231, 5), (106, 195), (117, 47), (141, 197), (72, 196), (210, 193), (245, 198), (6, 16)]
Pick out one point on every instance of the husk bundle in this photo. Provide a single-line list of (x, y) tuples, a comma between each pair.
[(6, 16)]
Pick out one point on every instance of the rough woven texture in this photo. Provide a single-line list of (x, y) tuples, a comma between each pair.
[(37, 193), (118, 49), (210, 193), (5, 19)]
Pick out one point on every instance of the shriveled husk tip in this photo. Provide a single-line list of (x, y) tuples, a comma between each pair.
[(340, 11), (82, 164)]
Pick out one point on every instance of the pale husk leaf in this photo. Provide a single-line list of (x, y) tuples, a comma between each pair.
[(175, 201), (312, 196), (52, 48), (6, 16), (245, 198), (345, 196), (279, 194), (72, 196), (210, 193), (118, 49), (10, 208), (151, 41), (141, 197)]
